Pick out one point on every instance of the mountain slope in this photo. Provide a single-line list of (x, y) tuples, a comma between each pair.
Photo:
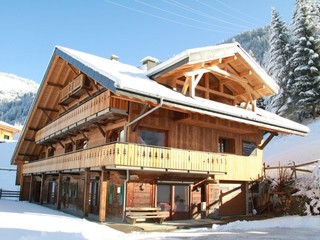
[(16, 97), (284, 149)]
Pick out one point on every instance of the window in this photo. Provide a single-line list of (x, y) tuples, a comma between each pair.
[(42, 155), (50, 152), (164, 197), (81, 144), (226, 145), (110, 199), (249, 148), (7, 137), (153, 137), (181, 198), (68, 147)]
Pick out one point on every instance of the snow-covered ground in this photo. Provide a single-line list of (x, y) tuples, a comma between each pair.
[(26, 221)]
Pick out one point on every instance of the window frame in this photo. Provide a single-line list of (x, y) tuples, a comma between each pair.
[(163, 131), (227, 146)]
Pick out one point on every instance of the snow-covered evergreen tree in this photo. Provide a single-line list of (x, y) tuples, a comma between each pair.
[(303, 80), (278, 56)]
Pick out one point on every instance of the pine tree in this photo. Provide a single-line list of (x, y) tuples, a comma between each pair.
[(278, 56), (304, 63)]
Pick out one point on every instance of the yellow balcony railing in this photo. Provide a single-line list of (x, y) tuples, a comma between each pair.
[(142, 157)]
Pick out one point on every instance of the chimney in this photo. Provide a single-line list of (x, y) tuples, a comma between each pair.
[(114, 57), (149, 62)]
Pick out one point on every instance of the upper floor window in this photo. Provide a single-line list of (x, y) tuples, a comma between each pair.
[(249, 148), (42, 155), (226, 145), (81, 144), (50, 152), (153, 137), (68, 147)]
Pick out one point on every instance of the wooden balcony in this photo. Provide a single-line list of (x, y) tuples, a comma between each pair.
[(142, 157), (95, 110)]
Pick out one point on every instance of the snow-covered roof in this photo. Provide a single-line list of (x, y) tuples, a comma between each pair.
[(127, 79), (204, 54), (9, 127)]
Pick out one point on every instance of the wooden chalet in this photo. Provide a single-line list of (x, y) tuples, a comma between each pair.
[(7, 131), (184, 136)]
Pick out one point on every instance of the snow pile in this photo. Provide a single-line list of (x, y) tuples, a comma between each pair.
[(22, 220), (309, 222), (309, 186)]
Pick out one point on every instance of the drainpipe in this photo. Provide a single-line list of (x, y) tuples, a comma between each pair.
[(140, 117), (125, 195), (125, 135)]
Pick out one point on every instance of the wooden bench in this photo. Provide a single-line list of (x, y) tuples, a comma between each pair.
[(134, 214)]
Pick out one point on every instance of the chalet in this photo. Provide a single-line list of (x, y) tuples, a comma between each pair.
[(7, 131), (183, 136)]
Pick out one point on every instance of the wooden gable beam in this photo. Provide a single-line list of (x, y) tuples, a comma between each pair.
[(55, 85), (74, 69), (45, 113), (143, 111), (101, 130), (61, 144), (48, 109), (27, 155), (229, 59), (84, 136), (245, 73), (71, 139), (243, 82), (28, 140), (191, 81)]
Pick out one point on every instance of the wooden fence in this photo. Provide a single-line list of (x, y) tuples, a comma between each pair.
[(294, 168), (9, 194)]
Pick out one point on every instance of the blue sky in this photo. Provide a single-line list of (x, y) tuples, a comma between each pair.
[(131, 29)]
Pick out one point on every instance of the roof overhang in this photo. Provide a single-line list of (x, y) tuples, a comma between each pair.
[(261, 118)]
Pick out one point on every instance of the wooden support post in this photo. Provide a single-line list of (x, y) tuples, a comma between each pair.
[(103, 194), (86, 192), (21, 187), (31, 188), (59, 194), (206, 185), (262, 146), (43, 178)]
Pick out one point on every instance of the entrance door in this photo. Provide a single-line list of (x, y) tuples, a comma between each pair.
[(181, 202), (94, 197), (174, 199)]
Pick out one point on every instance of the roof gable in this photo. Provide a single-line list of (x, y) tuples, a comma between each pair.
[(239, 76)]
